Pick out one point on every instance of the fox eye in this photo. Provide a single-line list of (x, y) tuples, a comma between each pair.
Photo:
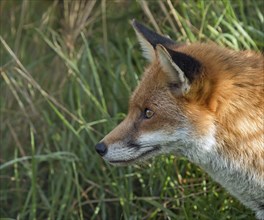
[(148, 113)]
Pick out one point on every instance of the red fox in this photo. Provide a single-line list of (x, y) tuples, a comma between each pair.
[(200, 101)]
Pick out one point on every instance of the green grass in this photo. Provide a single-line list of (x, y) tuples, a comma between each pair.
[(66, 78)]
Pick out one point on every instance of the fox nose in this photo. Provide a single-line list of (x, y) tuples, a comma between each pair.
[(101, 148)]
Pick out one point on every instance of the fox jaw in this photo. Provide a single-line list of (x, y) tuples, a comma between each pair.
[(202, 102)]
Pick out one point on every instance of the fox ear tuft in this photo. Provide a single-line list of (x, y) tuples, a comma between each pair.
[(180, 68), (149, 40)]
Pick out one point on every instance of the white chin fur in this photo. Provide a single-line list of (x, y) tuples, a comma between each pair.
[(120, 154)]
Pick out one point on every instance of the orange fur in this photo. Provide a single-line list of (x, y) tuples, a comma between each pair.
[(232, 89)]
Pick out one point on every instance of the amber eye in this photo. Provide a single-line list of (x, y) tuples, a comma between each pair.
[(148, 113)]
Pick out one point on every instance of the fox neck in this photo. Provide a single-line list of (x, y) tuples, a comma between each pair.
[(200, 151), (235, 174), (212, 153)]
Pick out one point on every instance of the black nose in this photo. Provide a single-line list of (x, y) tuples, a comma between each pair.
[(101, 148)]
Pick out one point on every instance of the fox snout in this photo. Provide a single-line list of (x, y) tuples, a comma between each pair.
[(101, 148)]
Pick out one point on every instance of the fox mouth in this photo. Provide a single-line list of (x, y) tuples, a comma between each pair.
[(144, 155)]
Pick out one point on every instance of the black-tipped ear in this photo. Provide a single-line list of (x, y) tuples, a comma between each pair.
[(150, 39), (189, 65), (181, 69)]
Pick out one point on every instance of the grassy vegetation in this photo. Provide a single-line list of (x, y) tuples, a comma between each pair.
[(67, 70)]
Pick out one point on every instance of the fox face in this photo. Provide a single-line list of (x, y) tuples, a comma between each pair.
[(146, 130), (161, 114)]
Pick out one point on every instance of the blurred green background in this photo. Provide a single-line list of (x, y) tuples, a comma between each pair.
[(67, 71)]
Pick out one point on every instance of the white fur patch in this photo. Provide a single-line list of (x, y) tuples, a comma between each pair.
[(147, 48), (152, 137), (185, 138), (208, 141), (119, 153)]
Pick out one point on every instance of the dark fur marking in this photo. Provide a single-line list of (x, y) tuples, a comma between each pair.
[(152, 37), (261, 206), (189, 65), (246, 85), (174, 86), (132, 144), (239, 85)]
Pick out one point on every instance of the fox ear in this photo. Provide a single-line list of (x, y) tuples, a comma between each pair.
[(180, 68), (149, 40)]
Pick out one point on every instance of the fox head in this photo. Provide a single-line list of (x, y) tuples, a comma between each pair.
[(165, 113)]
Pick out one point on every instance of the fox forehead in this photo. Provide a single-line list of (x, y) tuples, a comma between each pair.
[(153, 93), (154, 90), (151, 82)]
